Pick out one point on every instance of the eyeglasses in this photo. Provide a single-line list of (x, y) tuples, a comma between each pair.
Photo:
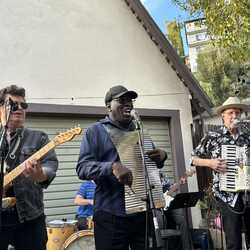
[(23, 105), (16, 105), (124, 100)]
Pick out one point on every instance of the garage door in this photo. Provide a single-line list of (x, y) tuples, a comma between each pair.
[(60, 194)]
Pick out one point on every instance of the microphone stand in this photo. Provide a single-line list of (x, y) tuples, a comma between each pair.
[(149, 194), (3, 154)]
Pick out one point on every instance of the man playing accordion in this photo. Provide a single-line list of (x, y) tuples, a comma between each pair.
[(210, 153)]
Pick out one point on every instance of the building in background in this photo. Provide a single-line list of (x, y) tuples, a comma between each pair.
[(197, 39)]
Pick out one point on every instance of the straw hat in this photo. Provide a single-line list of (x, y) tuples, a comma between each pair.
[(233, 102)]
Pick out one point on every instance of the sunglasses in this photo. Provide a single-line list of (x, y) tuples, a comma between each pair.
[(17, 105), (23, 105)]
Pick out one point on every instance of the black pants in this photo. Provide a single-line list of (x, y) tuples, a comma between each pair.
[(232, 224), (119, 233), (176, 217), (30, 235)]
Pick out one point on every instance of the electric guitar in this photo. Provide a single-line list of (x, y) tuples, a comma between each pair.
[(168, 195), (9, 177)]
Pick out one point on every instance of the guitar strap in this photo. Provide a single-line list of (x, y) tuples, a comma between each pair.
[(12, 158)]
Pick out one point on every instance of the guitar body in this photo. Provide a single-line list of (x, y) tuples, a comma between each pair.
[(8, 199), (168, 200), (8, 202)]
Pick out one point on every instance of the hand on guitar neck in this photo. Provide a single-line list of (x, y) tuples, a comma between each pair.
[(33, 169), (183, 180), (168, 195)]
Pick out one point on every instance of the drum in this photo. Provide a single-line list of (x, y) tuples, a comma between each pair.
[(58, 231), (81, 240)]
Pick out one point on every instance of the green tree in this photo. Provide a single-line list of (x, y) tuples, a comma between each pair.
[(219, 75), (174, 36), (228, 23)]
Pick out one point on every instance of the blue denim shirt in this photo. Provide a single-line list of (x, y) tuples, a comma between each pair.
[(29, 194), (97, 154)]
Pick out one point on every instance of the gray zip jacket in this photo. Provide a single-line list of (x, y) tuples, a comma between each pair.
[(29, 194)]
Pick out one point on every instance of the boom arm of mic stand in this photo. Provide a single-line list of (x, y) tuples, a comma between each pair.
[(2, 157), (158, 239)]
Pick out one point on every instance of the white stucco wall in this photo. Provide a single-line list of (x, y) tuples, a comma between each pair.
[(71, 52)]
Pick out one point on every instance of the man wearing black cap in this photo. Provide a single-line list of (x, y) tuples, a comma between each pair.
[(100, 161)]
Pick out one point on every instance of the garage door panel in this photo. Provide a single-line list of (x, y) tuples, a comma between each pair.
[(73, 186), (42, 122), (67, 151), (66, 172), (59, 195), (61, 180), (67, 165), (58, 203), (74, 143), (67, 158), (60, 211)]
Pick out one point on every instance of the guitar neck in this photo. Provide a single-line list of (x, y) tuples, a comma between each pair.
[(20, 168)]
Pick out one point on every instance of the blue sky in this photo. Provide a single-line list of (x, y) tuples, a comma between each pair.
[(163, 11)]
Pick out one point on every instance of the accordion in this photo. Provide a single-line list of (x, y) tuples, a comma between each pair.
[(237, 176), (128, 148)]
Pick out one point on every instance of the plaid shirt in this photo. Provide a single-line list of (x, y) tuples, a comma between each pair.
[(210, 148)]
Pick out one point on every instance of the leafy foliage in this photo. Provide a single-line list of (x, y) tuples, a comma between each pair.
[(174, 35), (228, 23), (219, 75)]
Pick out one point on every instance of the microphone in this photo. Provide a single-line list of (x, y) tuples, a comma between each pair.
[(240, 121), (11, 105), (134, 114)]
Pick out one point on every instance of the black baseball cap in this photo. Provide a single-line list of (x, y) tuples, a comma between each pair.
[(118, 91)]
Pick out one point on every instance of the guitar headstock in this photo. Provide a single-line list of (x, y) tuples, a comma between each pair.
[(67, 136)]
